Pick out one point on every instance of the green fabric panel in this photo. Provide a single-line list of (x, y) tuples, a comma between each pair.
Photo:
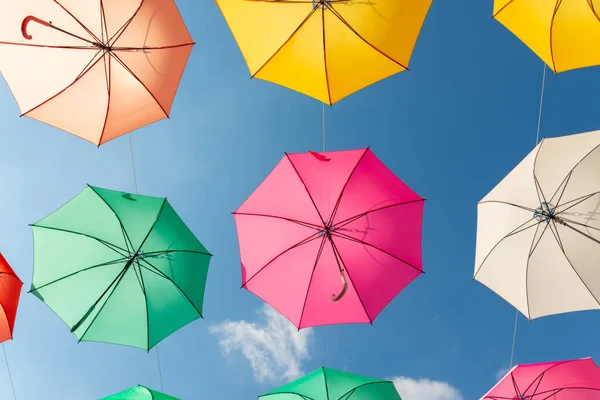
[(137, 213), (311, 385), (379, 391), (139, 393), (187, 270), (171, 233), (58, 254), (168, 309), (86, 287), (87, 214), (339, 383), (122, 317)]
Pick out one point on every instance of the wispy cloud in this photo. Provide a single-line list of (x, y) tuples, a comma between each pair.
[(275, 349), (425, 389)]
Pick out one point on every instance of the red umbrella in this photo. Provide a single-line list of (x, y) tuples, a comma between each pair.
[(559, 380), (330, 238), (10, 291)]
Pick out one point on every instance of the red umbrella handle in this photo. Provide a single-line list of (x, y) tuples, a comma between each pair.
[(26, 21), (338, 297)]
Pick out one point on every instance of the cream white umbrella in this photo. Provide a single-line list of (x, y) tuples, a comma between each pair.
[(538, 230)]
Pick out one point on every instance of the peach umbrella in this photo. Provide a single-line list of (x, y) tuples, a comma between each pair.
[(96, 69)]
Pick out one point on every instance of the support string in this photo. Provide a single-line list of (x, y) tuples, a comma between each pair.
[(537, 141), (136, 191), (9, 374)]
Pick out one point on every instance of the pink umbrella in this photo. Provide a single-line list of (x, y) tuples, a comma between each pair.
[(559, 380), (330, 238)]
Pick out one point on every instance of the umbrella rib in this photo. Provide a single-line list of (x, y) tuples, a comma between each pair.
[(83, 72), (112, 285), (158, 215), (502, 8), (312, 274), (50, 46), (335, 12), (147, 311), (583, 159), (105, 264), (339, 200), (306, 188), (122, 29), (563, 184), (108, 77), (116, 216), (302, 223), (103, 26), (518, 229), (173, 46), (353, 239), (324, 373), (325, 59), (508, 204), (140, 82), (576, 201), (284, 43), (78, 21), (109, 245), (359, 216), (158, 272), (300, 243), (337, 253), (558, 3), (302, 396)]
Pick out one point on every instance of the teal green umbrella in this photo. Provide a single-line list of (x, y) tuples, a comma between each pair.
[(119, 268), (330, 384), (139, 393)]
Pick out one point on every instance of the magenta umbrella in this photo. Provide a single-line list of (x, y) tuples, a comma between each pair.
[(559, 380), (330, 238)]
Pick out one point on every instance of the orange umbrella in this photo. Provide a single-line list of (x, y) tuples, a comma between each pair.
[(96, 69)]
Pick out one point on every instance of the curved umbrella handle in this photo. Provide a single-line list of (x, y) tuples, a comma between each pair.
[(338, 297), (26, 22)]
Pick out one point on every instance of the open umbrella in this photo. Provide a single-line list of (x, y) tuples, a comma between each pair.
[(96, 69), (330, 384), (139, 393), (326, 49), (119, 268), (319, 218), (538, 230), (10, 291), (559, 380), (563, 33)]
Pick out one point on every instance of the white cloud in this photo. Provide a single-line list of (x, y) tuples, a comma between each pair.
[(275, 349), (425, 389)]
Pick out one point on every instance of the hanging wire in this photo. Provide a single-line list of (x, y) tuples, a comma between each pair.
[(136, 191), (537, 141), (9, 374)]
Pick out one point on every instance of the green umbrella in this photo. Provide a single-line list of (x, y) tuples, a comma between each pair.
[(330, 384), (139, 393), (119, 268)]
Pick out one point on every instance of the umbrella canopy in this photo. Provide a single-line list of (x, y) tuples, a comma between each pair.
[(560, 380), (538, 231), (321, 218), (96, 69), (330, 384), (326, 49), (563, 33), (139, 393), (119, 268), (10, 291)]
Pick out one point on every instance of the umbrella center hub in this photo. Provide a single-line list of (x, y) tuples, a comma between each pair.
[(103, 46), (321, 4), (327, 229), (545, 212)]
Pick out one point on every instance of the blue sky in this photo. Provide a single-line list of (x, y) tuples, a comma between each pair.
[(451, 128)]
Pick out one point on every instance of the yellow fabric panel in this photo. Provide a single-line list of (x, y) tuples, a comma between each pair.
[(575, 36), (300, 64), (260, 27), (499, 4), (530, 21), (352, 64), (392, 26)]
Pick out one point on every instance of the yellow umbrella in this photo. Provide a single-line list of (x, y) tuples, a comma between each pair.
[(563, 33), (326, 49)]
